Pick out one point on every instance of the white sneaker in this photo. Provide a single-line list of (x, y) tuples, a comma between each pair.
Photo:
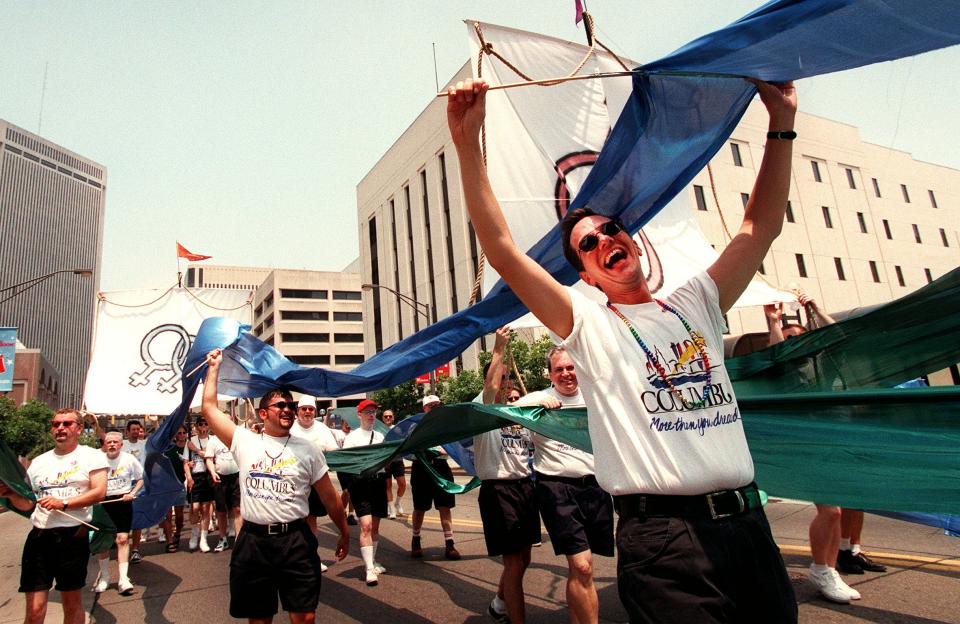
[(398, 506), (379, 569), (194, 538), (101, 585), (391, 511), (125, 587), (830, 586), (204, 546), (222, 545), (161, 537), (231, 532), (371, 577), (854, 594), (323, 567)]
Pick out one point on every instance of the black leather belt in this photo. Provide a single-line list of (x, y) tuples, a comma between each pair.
[(276, 528), (714, 506), (581, 481)]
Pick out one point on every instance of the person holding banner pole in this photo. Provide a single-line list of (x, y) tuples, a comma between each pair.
[(124, 480), (67, 481)]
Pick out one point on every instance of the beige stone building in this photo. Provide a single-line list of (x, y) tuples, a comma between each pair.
[(865, 224)]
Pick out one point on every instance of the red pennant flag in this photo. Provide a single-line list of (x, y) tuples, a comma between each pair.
[(183, 253), (579, 9)]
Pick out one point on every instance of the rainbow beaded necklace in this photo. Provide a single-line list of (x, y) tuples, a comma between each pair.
[(698, 341)]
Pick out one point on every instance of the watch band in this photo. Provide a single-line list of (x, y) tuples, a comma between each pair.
[(786, 135), (66, 504)]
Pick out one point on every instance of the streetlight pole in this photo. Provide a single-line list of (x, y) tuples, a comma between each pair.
[(419, 306), (26, 285)]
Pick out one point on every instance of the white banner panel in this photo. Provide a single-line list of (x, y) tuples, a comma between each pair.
[(141, 343)]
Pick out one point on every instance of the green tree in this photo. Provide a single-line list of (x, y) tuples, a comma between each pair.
[(462, 388), (26, 429), (530, 358), (404, 399)]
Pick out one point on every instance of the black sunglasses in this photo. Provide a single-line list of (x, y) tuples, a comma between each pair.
[(281, 405), (590, 241)]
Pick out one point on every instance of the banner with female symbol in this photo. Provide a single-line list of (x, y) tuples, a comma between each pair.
[(141, 342)]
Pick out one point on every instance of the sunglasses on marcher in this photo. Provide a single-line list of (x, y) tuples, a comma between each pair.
[(590, 241)]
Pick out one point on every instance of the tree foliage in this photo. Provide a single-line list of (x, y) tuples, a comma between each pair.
[(462, 388), (404, 399), (26, 429), (530, 358)]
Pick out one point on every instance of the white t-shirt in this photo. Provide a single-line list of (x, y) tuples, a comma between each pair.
[(138, 449), (644, 440), (338, 435), (123, 473), (63, 477), (222, 458), (359, 437), (319, 434), (276, 475), (197, 456), (551, 457), (502, 453)]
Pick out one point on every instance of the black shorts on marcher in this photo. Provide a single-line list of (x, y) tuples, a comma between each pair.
[(202, 491), (121, 512), (59, 555), (426, 493), (369, 495), (680, 570), (263, 567), (577, 513), (510, 514), (396, 468), (317, 508), (226, 494)]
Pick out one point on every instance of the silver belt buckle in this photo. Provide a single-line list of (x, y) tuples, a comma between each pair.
[(741, 505), (277, 528)]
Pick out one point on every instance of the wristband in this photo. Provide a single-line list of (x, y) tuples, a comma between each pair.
[(786, 135), (65, 505)]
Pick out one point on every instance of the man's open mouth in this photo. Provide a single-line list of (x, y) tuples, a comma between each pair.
[(614, 257)]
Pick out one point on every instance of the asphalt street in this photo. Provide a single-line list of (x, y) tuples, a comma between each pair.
[(921, 586)]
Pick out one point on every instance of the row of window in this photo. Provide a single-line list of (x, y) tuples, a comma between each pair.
[(842, 275), (325, 360), (337, 295), (851, 178), (53, 166), (51, 152), (298, 315), (319, 337)]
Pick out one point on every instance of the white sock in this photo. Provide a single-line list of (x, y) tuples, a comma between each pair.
[(203, 536), (844, 543), (498, 604), (819, 568), (856, 549), (366, 552), (105, 569), (195, 532), (124, 568)]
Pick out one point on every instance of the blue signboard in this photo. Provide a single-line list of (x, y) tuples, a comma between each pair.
[(8, 349)]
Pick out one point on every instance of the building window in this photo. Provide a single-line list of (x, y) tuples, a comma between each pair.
[(413, 261), (801, 265), (428, 241), (906, 193), (396, 266), (258, 311), (886, 229), (268, 322), (827, 221), (348, 337), (790, 218), (916, 233), (744, 199), (874, 271), (735, 151), (943, 237), (862, 221), (347, 295), (928, 274), (899, 273), (816, 171), (347, 316), (349, 359), (837, 262), (339, 295), (933, 199), (310, 360), (851, 181), (296, 315), (876, 187), (300, 337), (297, 293), (699, 196), (445, 198)]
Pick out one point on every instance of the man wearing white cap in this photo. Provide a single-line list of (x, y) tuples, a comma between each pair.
[(426, 493)]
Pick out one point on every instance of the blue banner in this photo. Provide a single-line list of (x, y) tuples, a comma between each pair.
[(8, 351)]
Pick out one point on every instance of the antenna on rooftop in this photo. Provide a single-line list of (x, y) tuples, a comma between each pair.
[(43, 93)]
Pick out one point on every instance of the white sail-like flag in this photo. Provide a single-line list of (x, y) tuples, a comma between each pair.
[(542, 142)]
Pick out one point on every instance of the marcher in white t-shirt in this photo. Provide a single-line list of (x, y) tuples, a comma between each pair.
[(664, 423), (136, 444), (275, 552), (225, 476), (124, 480), (201, 494), (66, 481)]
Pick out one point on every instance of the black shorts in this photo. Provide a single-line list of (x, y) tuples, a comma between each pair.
[(577, 514), (263, 567), (369, 496), (396, 468), (317, 508), (202, 491), (120, 512), (425, 492), (731, 566), (55, 554), (226, 494), (510, 514), (345, 478)]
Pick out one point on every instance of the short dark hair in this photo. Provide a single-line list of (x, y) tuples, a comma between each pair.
[(280, 392), (570, 220), (131, 423)]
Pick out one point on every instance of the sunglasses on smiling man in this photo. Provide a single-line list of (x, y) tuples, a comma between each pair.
[(282, 405), (590, 241)]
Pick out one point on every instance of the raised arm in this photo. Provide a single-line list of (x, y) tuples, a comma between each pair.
[(774, 312), (813, 308), (493, 380), (221, 424), (763, 215), (543, 295)]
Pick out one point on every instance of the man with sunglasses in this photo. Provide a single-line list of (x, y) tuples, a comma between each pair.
[(275, 554), (665, 427), (67, 481)]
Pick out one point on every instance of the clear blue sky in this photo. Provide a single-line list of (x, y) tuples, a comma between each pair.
[(242, 128)]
